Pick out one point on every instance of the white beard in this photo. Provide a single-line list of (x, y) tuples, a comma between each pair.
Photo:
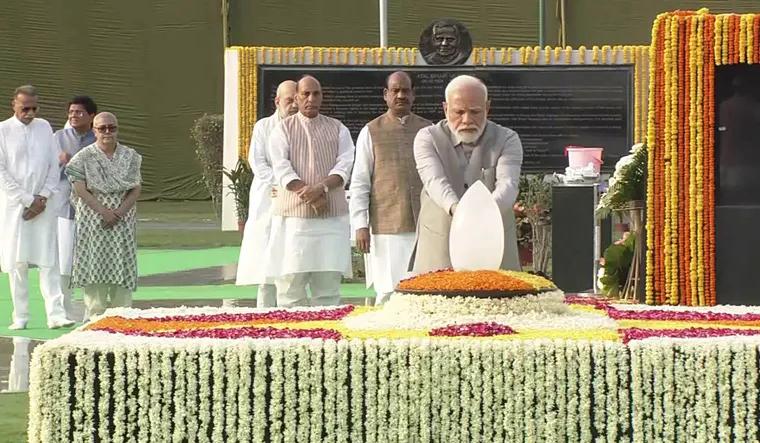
[(469, 137)]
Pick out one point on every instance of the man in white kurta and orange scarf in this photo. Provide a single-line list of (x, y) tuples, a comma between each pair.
[(29, 175), (310, 243), (252, 263)]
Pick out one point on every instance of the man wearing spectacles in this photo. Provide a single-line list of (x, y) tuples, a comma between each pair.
[(29, 175), (70, 140)]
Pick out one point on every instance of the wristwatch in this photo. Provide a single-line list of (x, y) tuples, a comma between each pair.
[(327, 190)]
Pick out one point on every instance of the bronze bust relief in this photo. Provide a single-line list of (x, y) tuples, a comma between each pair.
[(445, 42)]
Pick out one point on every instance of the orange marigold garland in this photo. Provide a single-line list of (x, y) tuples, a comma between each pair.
[(686, 47)]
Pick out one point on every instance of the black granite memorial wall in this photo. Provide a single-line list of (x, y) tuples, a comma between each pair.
[(550, 107)]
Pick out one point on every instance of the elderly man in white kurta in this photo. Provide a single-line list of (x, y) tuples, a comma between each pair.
[(452, 155), (29, 175), (310, 243), (252, 263), (385, 188)]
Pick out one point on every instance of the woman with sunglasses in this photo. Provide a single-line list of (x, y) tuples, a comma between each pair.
[(106, 180)]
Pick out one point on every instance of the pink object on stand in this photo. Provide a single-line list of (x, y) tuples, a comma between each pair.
[(581, 156)]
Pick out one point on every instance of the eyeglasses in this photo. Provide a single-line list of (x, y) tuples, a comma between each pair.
[(108, 128), (29, 108)]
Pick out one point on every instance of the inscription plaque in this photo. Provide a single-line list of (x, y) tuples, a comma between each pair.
[(550, 107)]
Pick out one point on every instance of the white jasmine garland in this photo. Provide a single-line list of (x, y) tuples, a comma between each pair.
[(699, 410), (356, 349), (276, 394), (259, 392), (371, 348), (584, 386), (63, 393), (134, 394), (573, 392), (419, 389), (550, 389), (104, 379), (49, 421), (518, 389), (119, 413), (738, 380), (487, 351), (611, 380), (243, 397), (232, 383), (455, 384), (36, 396), (398, 392), (497, 383), (218, 374), (477, 392), (600, 387), (329, 405), (167, 395), (77, 413), (179, 397), (290, 394), (559, 380), (154, 411), (205, 363), (711, 391), (624, 369), (540, 413), (529, 393), (315, 394), (724, 393), (750, 361), (89, 392), (689, 425), (658, 354), (647, 410), (304, 386), (342, 385), (192, 378), (437, 382), (637, 389), (383, 381)]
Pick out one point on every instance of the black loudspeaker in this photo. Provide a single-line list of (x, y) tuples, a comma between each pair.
[(577, 240), (737, 254)]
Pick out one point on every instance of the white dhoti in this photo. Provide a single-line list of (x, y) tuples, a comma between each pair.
[(387, 262), (320, 247)]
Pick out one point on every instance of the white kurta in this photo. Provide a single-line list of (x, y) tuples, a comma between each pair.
[(251, 265), (28, 167), (309, 244), (388, 259)]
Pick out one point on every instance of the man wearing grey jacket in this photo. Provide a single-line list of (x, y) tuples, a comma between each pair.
[(451, 156)]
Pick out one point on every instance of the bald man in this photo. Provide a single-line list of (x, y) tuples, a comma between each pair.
[(385, 188), (451, 156), (253, 258), (312, 156)]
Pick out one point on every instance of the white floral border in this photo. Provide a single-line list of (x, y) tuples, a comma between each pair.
[(399, 390)]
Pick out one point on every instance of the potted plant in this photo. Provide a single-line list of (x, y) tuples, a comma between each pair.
[(240, 187), (534, 208), (208, 134), (625, 197)]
